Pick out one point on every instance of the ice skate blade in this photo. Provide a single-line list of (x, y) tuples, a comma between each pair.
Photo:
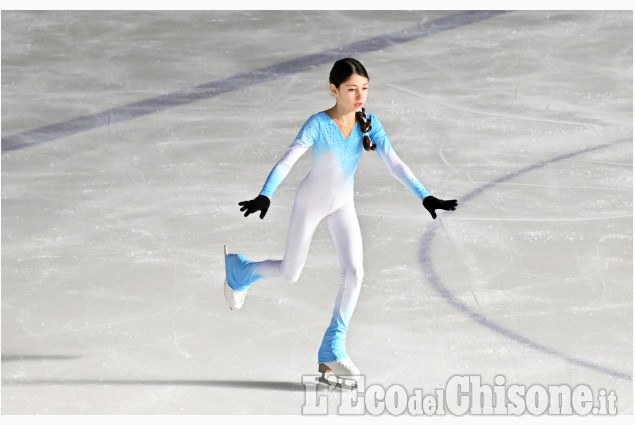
[(338, 383)]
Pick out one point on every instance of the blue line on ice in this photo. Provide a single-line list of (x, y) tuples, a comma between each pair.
[(237, 82), (437, 284)]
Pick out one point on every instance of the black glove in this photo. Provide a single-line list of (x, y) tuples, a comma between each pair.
[(431, 203), (261, 203)]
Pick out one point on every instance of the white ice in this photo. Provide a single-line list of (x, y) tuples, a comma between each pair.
[(112, 238)]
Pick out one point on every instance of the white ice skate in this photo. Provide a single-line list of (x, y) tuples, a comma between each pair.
[(339, 374), (235, 299)]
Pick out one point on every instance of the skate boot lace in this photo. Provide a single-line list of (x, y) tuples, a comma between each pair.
[(344, 367), (235, 299), (348, 364), (239, 297)]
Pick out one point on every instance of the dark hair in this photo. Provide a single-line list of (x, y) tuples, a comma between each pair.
[(341, 71)]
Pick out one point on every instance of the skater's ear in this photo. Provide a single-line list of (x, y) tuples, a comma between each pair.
[(333, 90)]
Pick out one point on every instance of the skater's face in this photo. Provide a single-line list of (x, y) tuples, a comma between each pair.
[(351, 94)]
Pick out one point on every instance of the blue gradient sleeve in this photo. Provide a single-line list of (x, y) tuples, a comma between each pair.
[(389, 157), (300, 145)]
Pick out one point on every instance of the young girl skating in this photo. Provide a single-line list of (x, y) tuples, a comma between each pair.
[(338, 136)]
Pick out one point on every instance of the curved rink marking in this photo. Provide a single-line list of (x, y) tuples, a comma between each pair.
[(444, 291)]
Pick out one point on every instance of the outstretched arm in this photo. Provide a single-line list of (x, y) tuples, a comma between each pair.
[(402, 173), (282, 168), (399, 169), (261, 203), (276, 176)]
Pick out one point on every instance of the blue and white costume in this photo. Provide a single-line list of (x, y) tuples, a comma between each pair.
[(326, 192)]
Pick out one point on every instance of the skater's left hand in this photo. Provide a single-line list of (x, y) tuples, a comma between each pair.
[(260, 203), (431, 203)]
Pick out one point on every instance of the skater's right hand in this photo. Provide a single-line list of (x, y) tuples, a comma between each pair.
[(260, 203)]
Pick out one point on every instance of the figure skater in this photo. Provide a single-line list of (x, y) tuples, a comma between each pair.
[(338, 136)]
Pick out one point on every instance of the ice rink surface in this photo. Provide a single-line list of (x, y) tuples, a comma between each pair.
[(128, 138)]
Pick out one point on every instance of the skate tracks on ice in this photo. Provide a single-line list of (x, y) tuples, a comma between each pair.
[(437, 282)]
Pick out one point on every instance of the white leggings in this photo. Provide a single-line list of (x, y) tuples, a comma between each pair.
[(308, 211)]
